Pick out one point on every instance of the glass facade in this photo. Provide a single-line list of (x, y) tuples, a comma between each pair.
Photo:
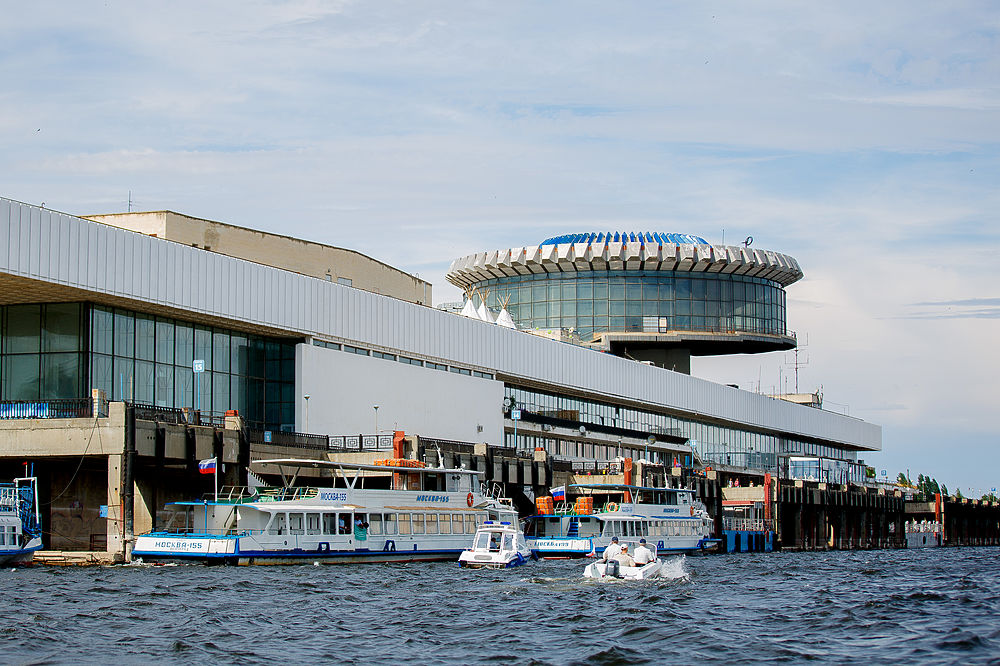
[(57, 351), (641, 301), (145, 359), (42, 351), (716, 444)]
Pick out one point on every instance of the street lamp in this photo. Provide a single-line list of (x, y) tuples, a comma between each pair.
[(375, 407), (305, 426)]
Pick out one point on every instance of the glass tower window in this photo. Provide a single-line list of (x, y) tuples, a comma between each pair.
[(639, 301)]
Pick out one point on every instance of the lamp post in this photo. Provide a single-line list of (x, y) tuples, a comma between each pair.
[(305, 426), (375, 407)]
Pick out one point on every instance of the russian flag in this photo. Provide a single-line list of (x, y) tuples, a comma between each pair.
[(207, 466), (559, 493)]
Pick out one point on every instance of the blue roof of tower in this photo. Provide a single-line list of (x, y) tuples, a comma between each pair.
[(626, 237)]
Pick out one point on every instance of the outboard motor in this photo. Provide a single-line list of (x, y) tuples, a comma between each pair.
[(613, 569)]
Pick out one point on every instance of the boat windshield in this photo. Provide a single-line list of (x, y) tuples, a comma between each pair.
[(488, 541)]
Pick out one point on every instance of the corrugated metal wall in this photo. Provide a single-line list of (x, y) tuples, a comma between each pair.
[(58, 248)]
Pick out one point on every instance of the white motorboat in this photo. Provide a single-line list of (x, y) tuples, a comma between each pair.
[(614, 569), (395, 511), (20, 522), (497, 545), (499, 542)]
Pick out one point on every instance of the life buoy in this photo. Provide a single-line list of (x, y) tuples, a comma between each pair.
[(611, 506), (692, 511), (469, 499)]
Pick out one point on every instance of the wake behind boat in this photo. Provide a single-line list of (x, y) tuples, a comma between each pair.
[(392, 511), (20, 522)]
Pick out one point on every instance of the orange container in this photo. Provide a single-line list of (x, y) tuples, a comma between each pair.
[(544, 506), (584, 506)]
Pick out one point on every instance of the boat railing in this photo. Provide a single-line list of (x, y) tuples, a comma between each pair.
[(243, 494), (744, 524), (8, 498)]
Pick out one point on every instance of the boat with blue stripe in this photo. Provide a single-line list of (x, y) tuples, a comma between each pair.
[(671, 519), (20, 522), (386, 512)]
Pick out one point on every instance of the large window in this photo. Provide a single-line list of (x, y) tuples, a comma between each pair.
[(714, 443), (596, 302), (42, 351), (145, 359)]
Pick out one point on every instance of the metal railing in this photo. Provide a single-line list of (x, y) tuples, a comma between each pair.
[(743, 524), (75, 408)]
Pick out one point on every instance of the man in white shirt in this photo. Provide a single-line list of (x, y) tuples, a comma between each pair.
[(643, 555), (613, 549), (624, 558)]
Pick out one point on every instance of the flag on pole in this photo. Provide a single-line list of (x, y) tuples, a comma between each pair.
[(559, 493), (207, 466)]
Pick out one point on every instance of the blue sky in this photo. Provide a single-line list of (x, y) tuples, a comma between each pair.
[(861, 139)]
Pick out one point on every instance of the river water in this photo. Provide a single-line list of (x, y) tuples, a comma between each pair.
[(915, 607)]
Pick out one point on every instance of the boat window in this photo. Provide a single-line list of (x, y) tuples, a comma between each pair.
[(445, 523), (312, 523), (390, 523), (418, 523), (494, 541), (295, 522), (470, 523), (329, 523), (456, 524), (431, 521), (343, 523), (671, 498), (404, 523), (277, 524), (482, 541), (375, 524), (2, 537), (508, 542)]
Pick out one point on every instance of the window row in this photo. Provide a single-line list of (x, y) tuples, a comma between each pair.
[(333, 523), (361, 351)]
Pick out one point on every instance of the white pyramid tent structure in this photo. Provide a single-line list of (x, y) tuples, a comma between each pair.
[(504, 319), (484, 312), (469, 310)]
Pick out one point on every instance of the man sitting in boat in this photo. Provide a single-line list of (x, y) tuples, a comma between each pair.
[(624, 558), (643, 555), (613, 549)]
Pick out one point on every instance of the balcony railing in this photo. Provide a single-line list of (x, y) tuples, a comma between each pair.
[(76, 408)]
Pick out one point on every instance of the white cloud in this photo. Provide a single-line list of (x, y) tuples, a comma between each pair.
[(861, 139)]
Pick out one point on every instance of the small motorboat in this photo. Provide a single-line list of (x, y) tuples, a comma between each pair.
[(499, 542), (615, 569), (497, 545)]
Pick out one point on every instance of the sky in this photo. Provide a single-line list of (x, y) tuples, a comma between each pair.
[(861, 138)]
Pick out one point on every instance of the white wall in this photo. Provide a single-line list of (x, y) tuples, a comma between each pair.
[(342, 389)]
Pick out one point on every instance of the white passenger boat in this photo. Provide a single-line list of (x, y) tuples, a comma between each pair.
[(925, 534), (20, 522), (670, 518), (499, 542), (614, 569), (387, 512)]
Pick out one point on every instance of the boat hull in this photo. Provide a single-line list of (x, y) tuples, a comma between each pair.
[(21, 556), (599, 570), (209, 549)]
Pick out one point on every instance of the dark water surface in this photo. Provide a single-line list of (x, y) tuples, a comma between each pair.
[(912, 607)]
